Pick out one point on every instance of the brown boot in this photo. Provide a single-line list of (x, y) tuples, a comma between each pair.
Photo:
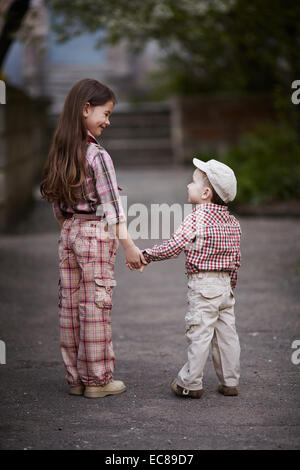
[(184, 392), (228, 391), (77, 390), (112, 388)]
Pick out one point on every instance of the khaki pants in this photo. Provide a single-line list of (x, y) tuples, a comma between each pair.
[(210, 320)]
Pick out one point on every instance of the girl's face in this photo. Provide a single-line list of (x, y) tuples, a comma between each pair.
[(97, 117)]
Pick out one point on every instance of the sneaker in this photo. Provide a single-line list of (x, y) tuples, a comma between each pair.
[(184, 392), (228, 391), (77, 390), (112, 388)]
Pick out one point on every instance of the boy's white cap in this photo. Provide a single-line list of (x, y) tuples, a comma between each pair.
[(220, 176)]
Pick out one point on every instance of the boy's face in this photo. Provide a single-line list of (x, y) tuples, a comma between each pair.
[(198, 193)]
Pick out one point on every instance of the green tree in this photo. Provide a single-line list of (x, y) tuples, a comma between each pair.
[(223, 43), (209, 45), (13, 19)]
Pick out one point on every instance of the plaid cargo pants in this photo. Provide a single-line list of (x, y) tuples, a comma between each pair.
[(86, 263)]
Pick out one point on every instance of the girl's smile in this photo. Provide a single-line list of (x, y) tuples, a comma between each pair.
[(97, 117)]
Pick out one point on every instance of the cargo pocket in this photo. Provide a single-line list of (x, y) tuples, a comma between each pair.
[(212, 291), (103, 292), (192, 332)]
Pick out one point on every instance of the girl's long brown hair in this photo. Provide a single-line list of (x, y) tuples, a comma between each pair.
[(65, 168)]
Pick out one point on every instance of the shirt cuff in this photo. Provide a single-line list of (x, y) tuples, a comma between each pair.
[(147, 256), (115, 220)]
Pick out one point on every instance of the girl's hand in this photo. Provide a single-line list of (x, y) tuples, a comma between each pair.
[(132, 269), (134, 258)]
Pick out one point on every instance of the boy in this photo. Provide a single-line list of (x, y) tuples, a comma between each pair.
[(210, 238)]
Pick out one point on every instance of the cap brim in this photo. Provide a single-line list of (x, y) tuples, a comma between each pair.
[(200, 164)]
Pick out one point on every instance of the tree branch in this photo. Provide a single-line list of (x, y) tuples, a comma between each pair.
[(13, 20)]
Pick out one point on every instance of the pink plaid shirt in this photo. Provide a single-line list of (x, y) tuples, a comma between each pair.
[(210, 238), (101, 192)]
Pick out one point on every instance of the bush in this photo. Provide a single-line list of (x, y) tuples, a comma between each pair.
[(267, 165)]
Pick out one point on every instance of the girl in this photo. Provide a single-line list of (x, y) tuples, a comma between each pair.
[(79, 179)]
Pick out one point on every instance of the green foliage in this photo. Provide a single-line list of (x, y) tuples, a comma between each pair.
[(206, 46), (210, 44), (267, 165)]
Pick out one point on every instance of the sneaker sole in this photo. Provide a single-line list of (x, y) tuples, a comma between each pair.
[(102, 394)]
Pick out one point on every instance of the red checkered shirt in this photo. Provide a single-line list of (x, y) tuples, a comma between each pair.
[(210, 238), (101, 192)]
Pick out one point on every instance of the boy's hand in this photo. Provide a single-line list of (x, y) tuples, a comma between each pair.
[(142, 268)]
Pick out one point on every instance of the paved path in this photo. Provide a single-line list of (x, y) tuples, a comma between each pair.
[(148, 331)]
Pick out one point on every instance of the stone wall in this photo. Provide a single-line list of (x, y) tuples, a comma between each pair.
[(213, 124), (23, 147)]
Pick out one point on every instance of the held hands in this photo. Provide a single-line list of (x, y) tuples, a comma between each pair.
[(135, 258)]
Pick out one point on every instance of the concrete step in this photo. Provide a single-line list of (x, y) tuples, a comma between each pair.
[(139, 121), (141, 158), (139, 135), (136, 144), (129, 131)]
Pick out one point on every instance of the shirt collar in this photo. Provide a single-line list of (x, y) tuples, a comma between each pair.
[(91, 138), (209, 206)]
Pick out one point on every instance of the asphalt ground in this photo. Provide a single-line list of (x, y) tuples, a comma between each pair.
[(148, 335)]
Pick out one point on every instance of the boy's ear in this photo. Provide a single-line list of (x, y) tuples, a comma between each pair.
[(207, 193)]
